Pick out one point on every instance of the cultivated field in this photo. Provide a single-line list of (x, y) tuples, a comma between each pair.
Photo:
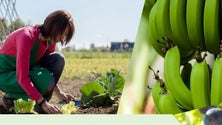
[(83, 67), (88, 64)]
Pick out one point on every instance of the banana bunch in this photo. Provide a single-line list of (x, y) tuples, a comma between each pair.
[(188, 86), (188, 23), (182, 32), (165, 102)]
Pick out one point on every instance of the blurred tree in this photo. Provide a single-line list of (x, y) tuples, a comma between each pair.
[(9, 19), (3, 27), (6, 27), (18, 23)]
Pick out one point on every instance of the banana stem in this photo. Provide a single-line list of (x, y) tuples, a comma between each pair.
[(135, 90)]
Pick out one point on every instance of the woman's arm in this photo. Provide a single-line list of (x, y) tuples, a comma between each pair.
[(23, 49)]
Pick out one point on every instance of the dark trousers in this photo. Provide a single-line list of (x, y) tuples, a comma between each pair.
[(55, 63)]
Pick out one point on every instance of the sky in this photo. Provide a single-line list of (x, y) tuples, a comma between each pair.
[(96, 21)]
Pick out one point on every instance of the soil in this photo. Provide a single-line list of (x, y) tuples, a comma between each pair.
[(73, 86)]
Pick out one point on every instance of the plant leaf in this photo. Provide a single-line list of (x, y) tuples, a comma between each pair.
[(90, 90)]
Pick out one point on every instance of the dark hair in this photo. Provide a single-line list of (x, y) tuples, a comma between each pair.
[(56, 23)]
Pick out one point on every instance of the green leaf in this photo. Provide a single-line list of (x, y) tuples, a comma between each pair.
[(116, 82), (22, 106), (90, 90), (104, 90)]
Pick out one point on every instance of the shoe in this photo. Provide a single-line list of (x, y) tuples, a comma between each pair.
[(8, 102)]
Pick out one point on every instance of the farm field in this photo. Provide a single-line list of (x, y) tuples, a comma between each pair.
[(83, 67), (88, 64)]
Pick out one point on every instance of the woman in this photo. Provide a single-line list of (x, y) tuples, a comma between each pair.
[(29, 65)]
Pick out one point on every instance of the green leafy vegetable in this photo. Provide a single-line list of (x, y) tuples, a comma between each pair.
[(22, 106), (69, 108), (104, 90)]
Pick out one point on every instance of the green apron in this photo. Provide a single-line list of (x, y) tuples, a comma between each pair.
[(40, 77)]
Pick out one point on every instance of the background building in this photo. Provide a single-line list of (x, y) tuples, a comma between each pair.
[(121, 46)]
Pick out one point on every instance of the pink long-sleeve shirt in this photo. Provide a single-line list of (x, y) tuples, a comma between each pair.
[(19, 44)]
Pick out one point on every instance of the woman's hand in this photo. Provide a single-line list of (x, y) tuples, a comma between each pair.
[(51, 109), (66, 97), (63, 96)]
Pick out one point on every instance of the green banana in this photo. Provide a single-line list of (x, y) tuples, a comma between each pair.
[(185, 74), (200, 84), (156, 94), (168, 104), (211, 26), (178, 25), (163, 20), (173, 78), (153, 35), (216, 82), (164, 102), (194, 20)]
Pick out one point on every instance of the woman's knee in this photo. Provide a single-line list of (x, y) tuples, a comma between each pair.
[(59, 58)]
